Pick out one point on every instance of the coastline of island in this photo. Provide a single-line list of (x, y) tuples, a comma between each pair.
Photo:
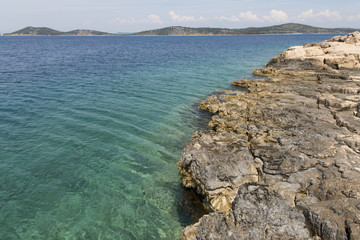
[(44, 31), (282, 29), (288, 28), (283, 159)]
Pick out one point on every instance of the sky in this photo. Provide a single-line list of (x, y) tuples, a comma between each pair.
[(137, 15)]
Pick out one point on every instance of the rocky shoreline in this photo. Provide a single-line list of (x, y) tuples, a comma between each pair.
[(282, 161)]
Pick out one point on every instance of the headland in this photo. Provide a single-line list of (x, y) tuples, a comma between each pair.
[(282, 161)]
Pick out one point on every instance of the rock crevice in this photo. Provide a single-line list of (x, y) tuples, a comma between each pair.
[(282, 160)]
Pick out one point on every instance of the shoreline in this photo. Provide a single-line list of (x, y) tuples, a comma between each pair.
[(282, 160)]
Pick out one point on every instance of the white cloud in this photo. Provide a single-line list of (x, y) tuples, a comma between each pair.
[(277, 16), (228, 19), (307, 14), (178, 18), (151, 19), (326, 14), (354, 18), (123, 21), (247, 16), (154, 19)]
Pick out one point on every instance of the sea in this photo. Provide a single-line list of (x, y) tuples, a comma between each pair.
[(91, 129)]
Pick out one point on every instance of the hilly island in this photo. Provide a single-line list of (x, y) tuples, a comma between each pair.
[(289, 28), (44, 31)]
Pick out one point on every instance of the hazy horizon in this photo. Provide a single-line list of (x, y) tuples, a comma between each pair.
[(139, 15)]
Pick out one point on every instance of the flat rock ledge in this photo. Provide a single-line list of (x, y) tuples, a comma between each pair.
[(282, 161)]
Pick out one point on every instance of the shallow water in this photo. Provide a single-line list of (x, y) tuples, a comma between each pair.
[(91, 128)]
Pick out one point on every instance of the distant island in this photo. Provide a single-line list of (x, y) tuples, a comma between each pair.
[(44, 31), (288, 28)]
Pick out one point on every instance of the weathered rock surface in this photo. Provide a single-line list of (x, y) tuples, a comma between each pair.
[(336, 53), (219, 164), (282, 161), (271, 217)]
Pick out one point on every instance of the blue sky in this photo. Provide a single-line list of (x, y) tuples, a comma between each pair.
[(138, 15)]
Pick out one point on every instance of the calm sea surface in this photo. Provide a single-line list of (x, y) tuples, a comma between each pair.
[(91, 128)]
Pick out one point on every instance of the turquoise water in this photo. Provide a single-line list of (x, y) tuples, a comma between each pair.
[(91, 129)]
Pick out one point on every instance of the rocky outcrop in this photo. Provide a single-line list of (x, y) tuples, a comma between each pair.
[(270, 217), (336, 53), (282, 161)]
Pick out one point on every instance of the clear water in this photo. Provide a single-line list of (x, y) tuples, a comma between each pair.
[(91, 128)]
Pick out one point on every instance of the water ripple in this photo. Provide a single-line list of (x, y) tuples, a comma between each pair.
[(91, 129)]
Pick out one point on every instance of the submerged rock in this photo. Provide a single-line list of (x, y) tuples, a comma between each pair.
[(283, 159)]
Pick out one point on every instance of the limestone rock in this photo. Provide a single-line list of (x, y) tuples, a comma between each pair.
[(336, 53), (291, 142), (257, 213), (329, 222), (216, 164)]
